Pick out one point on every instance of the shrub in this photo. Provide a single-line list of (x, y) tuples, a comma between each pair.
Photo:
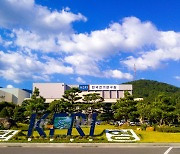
[(104, 123), (1, 127), (4, 113), (23, 126), (143, 126), (21, 134), (168, 129)]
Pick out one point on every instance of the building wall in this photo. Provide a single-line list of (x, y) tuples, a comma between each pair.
[(5, 96), (22, 95), (110, 93), (15, 95), (50, 91)]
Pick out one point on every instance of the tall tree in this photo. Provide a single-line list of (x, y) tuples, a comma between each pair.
[(144, 110), (125, 108), (18, 115), (162, 110), (72, 95), (35, 105), (58, 106), (94, 100), (4, 113)]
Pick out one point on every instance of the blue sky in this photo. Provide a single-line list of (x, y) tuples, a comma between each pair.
[(89, 41)]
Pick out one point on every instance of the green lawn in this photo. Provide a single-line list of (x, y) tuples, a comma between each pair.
[(150, 137), (145, 136), (98, 130)]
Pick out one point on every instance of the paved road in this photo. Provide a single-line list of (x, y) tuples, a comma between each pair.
[(89, 150)]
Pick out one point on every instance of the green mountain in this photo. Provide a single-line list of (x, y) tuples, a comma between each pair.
[(149, 89)]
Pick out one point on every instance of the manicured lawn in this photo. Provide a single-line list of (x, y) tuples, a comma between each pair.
[(98, 130), (145, 136), (154, 136)]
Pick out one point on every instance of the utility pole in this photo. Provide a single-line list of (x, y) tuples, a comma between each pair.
[(134, 71)]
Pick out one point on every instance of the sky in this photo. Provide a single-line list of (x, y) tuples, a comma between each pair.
[(89, 41)]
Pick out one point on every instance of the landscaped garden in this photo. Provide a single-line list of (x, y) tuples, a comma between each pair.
[(148, 136), (158, 121)]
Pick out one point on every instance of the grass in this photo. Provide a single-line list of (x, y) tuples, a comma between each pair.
[(99, 135), (157, 137), (99, 131)]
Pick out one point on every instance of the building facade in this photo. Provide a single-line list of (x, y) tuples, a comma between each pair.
[(110, 92), (14, 95)]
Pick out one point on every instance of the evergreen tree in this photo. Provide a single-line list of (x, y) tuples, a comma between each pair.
[(34, 105), (72, 95), (59, 106), (125, 108), (4, 113)]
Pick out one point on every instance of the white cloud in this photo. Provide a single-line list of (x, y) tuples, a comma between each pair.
[(54, 66), (9, 86), (19, 67), (83, 64), (33, 41), (36, 28), (118, 75), (80, 80), (130, 35), (1, 40), (28, 15), (177, 77), (153, 59)]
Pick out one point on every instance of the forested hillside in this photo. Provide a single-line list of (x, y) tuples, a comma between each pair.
[(149, 89)]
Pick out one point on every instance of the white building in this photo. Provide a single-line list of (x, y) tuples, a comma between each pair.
[(110, 92), (14, 95)]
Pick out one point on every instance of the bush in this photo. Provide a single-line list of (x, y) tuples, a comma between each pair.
[(143, 126), (4, 113), (168, 129), (1, 127), (21, 134), (23, 126), (104, 123)]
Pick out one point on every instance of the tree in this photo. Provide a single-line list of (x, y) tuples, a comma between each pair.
[(125, 108), (107, 113), (6, 104), (162, 110), (34, 105), (4, 113), (177, 111), (72, 95), (58, 106), (144, 110), (94, 99), (18, 115)]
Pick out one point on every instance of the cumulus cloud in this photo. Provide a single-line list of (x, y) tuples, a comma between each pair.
[(83, 64), (132, 34), (177, 77), (35, 28), (33, 41), (118, 74), (18, 67), (151, 47), (15, 14), (153, 59), (1, 40), (80, 80)]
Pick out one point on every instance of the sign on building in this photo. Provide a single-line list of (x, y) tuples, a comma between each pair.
[(84, 87), (103, 87)]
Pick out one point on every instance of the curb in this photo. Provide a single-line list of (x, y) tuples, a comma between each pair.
[(80, 145)]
